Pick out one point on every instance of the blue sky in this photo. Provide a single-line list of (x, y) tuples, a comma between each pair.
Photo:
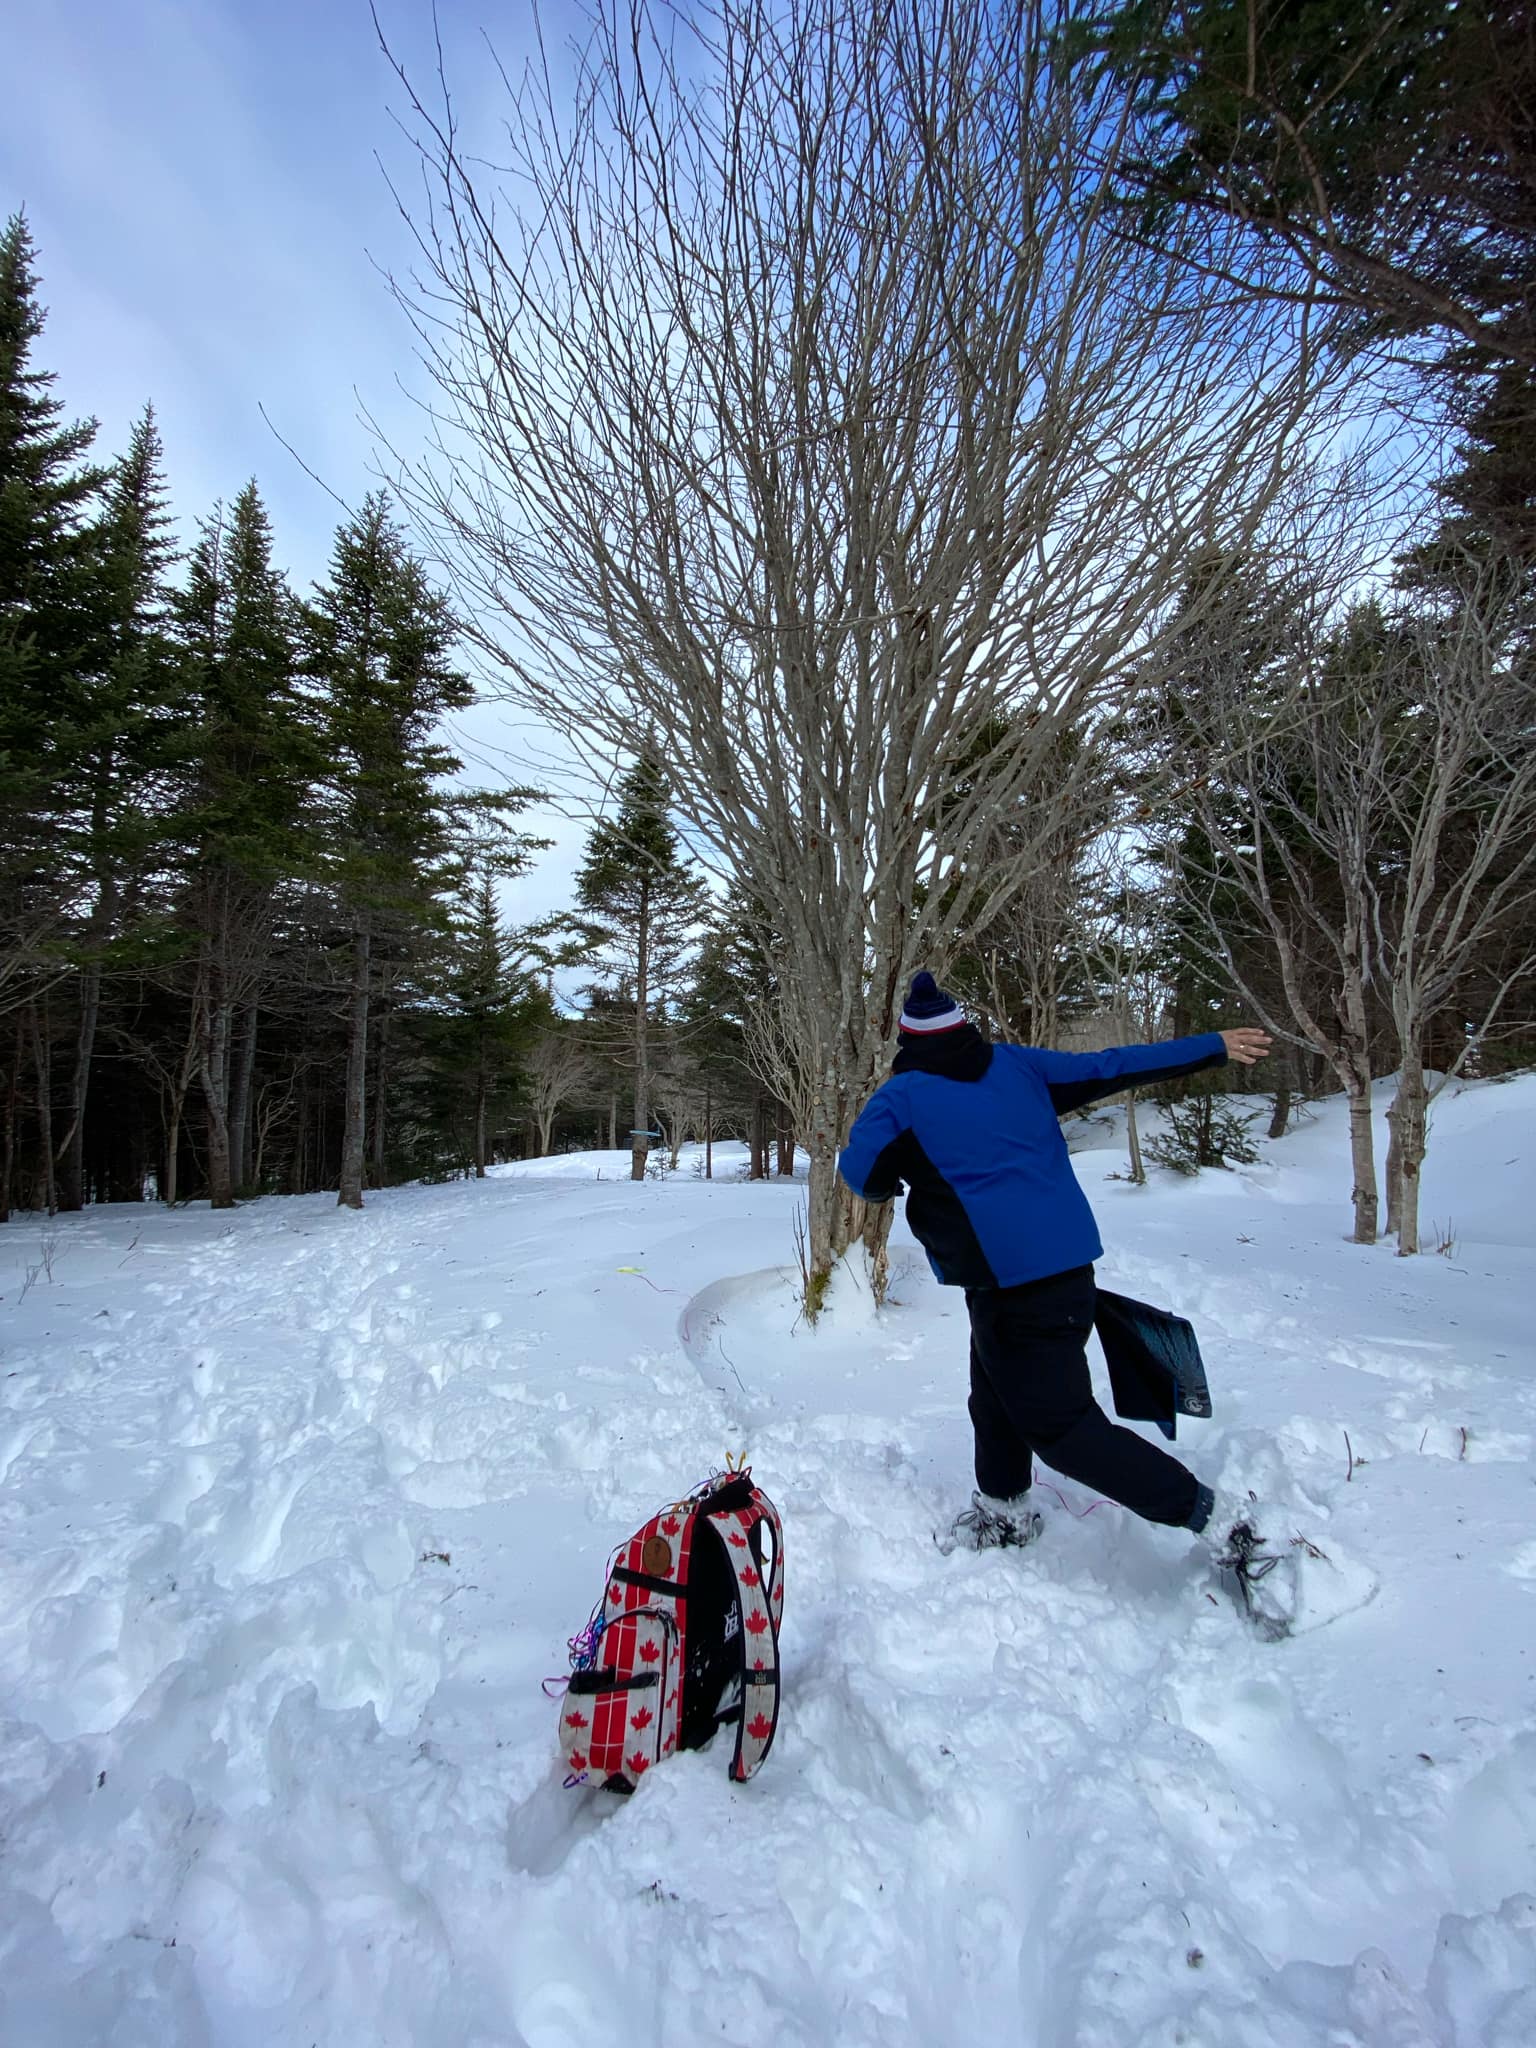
[(203, 184)]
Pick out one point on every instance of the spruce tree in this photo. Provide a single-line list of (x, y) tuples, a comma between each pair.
[(251, 759), (645, 907), (115, 824), (46, 555), (380, 644)]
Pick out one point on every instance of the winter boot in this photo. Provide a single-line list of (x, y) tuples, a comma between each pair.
[(989, 1524)]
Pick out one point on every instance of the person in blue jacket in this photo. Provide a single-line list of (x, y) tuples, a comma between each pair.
[(971, 1130)]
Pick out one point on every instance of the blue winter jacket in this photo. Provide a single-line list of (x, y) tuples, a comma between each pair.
[(993, 1199)]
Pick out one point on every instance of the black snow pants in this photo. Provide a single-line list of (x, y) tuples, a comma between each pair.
[(1031, 1396)]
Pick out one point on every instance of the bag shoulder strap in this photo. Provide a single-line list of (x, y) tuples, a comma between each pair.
[(752, 1538)]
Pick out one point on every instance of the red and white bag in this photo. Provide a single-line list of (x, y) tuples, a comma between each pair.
[(686, 1638)]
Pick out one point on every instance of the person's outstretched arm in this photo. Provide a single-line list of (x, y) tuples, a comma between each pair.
[(1077, 1078)]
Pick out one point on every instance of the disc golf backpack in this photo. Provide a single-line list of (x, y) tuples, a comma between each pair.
[(684, 1640)]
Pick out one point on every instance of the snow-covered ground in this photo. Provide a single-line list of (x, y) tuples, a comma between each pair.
[(298, 1507)]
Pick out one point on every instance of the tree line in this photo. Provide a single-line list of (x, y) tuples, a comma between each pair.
[(252, 935)]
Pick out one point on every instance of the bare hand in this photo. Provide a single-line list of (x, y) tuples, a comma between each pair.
[(1246, 1045)]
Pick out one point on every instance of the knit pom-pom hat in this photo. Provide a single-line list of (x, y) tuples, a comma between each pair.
[(928, 1009)]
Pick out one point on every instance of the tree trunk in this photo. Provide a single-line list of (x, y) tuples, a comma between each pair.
[(43, 1070), (1133, 1141), (709, 1134), (240, 1098), (262, 1122), (1394, 1172), (213, 1024), (379, 1144), (878, 1218), (72, 1160), (1408, 1118), (758, 1170), (8, 1145), (1206, 1153), (831, 1219), (786, 1140), (215, 1079), (613, 1120), (1362, 1151), (836, 1217), (172, 1151), (1280, 1117), (180, 1088), (355, 1128), (545, 1119), (482, 1098), (639, 1139), (296, 1158)]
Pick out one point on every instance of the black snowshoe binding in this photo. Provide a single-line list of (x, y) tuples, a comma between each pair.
[(1264, 1580), (989, 1524)]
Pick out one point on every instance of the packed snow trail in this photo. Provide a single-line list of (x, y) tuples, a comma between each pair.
[(298, 1507)]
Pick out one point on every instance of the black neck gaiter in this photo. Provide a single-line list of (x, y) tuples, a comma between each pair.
[(961, 1054)]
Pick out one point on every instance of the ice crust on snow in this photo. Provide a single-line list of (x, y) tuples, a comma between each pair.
[(298, 1507)]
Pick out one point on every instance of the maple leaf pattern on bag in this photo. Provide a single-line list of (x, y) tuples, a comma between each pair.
[(646, 1638)]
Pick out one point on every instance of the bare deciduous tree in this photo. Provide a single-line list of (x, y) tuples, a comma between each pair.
[(1119, 953), (1018, 971), (1369, 801), (806, 414), (1278, 805), (1457, 798), (553, 1070)]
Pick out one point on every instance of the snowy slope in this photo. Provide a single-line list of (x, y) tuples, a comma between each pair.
[(297, 1508)]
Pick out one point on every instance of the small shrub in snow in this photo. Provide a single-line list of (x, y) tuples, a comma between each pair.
[(1200, 1132), (1442, 1237)]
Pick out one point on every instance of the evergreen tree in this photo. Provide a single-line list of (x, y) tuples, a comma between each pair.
[(732, 989), (250, 759), (116, 809), (1385, 152), (47, 549), (1386, 158), (380, 649), (488, 1004), (644, 906)]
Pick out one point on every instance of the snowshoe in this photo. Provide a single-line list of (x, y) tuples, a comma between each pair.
[(989, 1524), (1284, 1586)]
